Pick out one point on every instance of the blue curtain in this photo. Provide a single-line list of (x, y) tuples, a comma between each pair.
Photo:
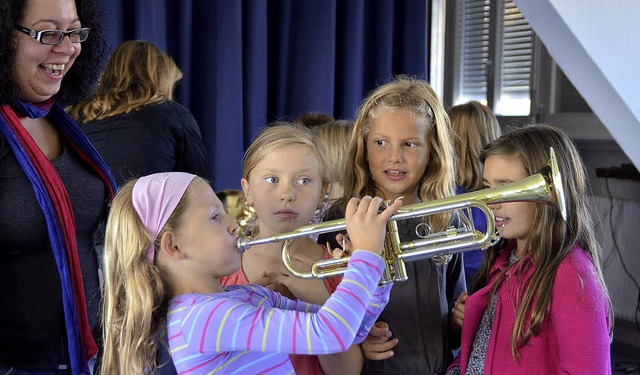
[(250, 62)]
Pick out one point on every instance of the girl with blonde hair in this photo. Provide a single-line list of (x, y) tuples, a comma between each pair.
[(132, 120), (333, 139), (401, 147), (136, 74), (473, 125), (540, 304), (168, 243), (285, 179)]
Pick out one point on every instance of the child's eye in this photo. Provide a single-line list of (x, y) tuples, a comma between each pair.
[(304, 181), (381, 142), (410, 144), (272, 180), (215, 216)]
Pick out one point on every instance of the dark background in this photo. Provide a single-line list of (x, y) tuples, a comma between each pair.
[(250, 62)]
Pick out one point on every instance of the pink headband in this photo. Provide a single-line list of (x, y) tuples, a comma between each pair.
[(155, 197)]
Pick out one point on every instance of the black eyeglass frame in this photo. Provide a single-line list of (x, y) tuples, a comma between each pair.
[(37, 35)]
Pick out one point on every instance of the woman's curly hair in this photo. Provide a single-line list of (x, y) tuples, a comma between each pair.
[(79, 80)]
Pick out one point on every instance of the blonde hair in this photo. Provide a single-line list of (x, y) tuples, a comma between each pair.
[(136, 74), (333, 139), (551, 237), (281, 135), (420, 100), (473, 125), (136, 295)]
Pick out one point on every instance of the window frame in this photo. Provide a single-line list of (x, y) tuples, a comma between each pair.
[(578, 125), (495, 62), (544, 77)]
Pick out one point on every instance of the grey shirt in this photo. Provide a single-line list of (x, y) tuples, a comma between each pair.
[(418, 313), (32, 328)]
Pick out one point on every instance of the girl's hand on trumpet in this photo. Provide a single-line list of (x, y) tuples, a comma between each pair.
[(345, 251), (378, 345), (457, 312), (365, 226), (274, 282)]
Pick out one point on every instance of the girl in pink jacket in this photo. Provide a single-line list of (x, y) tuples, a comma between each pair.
[(540, 305)]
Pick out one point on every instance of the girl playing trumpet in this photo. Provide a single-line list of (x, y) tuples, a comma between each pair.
[(168, 242), (540, 304)]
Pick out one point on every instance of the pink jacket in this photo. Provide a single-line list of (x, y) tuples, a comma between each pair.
[(574, 337)]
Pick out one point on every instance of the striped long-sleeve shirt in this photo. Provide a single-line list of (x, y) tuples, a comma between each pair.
[(250, 329)]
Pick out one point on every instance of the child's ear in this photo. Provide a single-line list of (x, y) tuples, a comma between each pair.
[(246, 189), (324, 194), (169, 246)]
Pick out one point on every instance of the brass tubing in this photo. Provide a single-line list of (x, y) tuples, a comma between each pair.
[(544, 186)]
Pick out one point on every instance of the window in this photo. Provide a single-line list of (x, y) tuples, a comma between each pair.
[(492, 56), (557, 101)]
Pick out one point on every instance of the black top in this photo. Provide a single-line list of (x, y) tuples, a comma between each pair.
[(161, 137), (418, 311), (32, 327)]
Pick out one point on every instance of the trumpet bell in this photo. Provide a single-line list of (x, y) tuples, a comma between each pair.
[(233, 202), (235, 205), (555, 183)]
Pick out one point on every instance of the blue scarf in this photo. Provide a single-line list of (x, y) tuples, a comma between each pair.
[(54, 201)]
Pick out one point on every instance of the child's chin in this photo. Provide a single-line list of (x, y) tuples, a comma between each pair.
[(238, 264)]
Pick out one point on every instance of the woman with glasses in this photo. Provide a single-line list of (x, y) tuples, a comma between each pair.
[(54, 188)]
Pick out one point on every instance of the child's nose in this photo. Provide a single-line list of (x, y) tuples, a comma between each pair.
[(287, 193), (395, 154)]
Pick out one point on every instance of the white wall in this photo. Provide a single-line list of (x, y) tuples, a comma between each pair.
[(597, 45), (619, 263)]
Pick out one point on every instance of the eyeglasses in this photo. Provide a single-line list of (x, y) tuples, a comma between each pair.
[(53, 37)]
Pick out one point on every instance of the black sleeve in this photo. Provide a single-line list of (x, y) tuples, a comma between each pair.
[(333, 213), (456, 281), (456, 284), (191, 154)]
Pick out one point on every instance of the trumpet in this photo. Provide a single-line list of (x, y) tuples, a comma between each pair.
[(545, 186), (235, 205)]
